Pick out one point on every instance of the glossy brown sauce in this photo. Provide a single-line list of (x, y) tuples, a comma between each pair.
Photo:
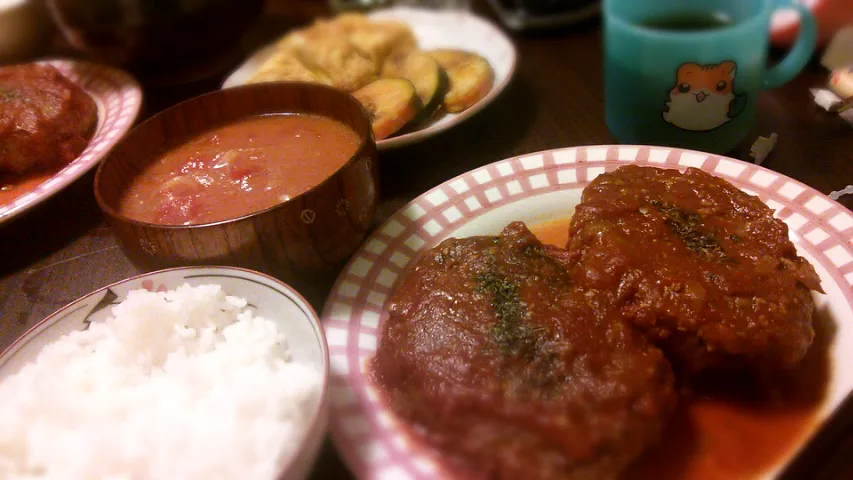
[(732, 428)]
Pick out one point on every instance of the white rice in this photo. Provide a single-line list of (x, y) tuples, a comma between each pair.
[(177, 385)]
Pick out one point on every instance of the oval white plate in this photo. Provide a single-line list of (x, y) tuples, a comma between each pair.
[(537, 188), (269, 297), (118, 98), (433, 29)]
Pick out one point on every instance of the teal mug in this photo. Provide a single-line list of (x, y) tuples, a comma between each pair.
[(688, 73)]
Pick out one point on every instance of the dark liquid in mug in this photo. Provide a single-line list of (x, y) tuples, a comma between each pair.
[(688, 22)]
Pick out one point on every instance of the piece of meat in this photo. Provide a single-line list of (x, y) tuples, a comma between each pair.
[(45, 119), (703, 268), (510, 371)]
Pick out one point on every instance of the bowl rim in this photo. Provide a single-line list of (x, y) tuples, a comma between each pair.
[(322, 400), (366, 139)]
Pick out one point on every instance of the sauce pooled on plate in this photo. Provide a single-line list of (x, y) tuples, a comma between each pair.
[(239, 168), (730, 427)]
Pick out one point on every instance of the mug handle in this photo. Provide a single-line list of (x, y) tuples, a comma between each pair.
[(799, 56)]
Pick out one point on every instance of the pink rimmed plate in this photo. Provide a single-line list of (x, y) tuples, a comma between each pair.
[(539, 188), (433, 29), (118, 98)]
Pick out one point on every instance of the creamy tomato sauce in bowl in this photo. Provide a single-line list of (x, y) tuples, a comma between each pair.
[(279, 177), (239, 168)]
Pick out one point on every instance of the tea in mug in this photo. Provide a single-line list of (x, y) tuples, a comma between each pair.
[(688, 22)]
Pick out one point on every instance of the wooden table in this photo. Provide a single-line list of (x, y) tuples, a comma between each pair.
[(62, 249)]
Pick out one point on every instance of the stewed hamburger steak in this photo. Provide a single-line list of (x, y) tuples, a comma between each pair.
[(45, 119), (520, 360), (512, 371), (702, 268)]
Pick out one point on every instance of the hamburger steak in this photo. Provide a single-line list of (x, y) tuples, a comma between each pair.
[(513, 372), (45, 119), (699, 266)]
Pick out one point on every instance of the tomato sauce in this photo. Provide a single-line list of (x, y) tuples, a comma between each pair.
[(239, 168), (14, 186), (555, 232), (731, 428)]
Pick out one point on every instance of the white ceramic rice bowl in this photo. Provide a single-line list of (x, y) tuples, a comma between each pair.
[(271, 299)]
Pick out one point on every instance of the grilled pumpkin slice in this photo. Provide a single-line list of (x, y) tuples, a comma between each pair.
[(391, 103), (429, 79), (471, 77)]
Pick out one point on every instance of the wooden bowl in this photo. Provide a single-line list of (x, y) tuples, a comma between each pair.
[(311, 233)]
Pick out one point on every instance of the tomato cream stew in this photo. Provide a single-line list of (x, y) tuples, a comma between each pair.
[(239, 168)]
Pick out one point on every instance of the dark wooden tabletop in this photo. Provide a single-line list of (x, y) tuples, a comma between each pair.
[(62, 249)]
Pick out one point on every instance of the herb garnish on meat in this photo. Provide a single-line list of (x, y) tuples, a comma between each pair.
[(8, 95), (513, 336), (687, 227)]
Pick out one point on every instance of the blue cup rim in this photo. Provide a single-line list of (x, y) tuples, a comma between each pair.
[(611, 15)]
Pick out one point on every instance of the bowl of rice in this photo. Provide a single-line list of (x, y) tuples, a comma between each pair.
[(186, 373)]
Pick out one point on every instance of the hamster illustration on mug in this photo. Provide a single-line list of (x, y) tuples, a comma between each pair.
[(703, 97)]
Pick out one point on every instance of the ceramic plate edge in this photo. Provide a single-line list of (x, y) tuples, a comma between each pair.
[(601, 156)]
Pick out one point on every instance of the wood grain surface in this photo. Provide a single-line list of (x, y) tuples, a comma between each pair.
[(63, 249)]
